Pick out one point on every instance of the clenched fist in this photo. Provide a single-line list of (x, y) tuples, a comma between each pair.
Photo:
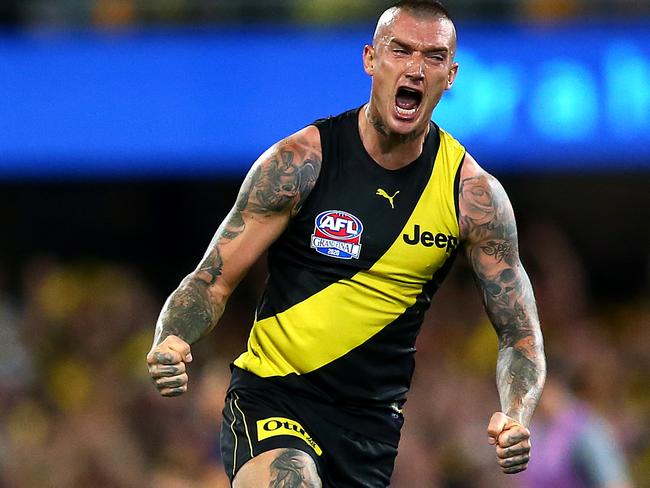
[(166, 363), (512, 441)]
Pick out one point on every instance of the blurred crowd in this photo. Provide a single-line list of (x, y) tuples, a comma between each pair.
[(77, 408), (129, 12)]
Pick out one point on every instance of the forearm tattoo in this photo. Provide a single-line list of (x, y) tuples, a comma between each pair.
[(489, 229), (190, 311), (293, 469), (278, 183)]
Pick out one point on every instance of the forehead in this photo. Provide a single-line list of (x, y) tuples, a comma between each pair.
[(424, 31)]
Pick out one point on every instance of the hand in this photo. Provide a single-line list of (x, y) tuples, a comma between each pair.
[(512, 441), (166, 363)]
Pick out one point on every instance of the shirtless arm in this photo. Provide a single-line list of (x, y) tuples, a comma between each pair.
[(489, 231), (272, 192)]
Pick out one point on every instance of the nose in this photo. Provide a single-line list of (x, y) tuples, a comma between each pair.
[(415, 67)]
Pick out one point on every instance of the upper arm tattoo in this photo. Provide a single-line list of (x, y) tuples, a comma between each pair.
[(490, 234), (278, 184), (282, 182)]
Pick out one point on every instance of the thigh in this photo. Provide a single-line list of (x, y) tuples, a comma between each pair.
[(265, 438), (270, 436), (279, 468), (359, 462)]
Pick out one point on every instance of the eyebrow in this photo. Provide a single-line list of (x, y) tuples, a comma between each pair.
[(428, 49)]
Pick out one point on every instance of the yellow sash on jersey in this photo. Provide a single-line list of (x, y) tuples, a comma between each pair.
[(344, 315)]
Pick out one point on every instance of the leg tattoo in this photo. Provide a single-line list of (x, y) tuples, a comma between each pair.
[(293, 468)]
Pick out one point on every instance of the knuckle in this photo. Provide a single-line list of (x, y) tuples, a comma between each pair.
[(161, 357), (514, 469), (173, 389), (514, 451), (503, 453), (513, 440), (516, 461), (168, 371), (172, 381)]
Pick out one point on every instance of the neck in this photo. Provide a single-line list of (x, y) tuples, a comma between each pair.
[(391, 151)]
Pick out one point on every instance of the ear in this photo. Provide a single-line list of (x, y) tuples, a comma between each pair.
[(452, 75), (369, 59)]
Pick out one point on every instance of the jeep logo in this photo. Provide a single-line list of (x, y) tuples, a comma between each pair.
[(428, 239)]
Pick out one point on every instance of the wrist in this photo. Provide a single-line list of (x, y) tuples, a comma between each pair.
[(518, 415)]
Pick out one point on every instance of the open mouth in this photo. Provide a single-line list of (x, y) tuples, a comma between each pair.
[(407, 101)]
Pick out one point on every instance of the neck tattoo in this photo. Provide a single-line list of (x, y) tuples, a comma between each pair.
[(380, 127), (377, 123)]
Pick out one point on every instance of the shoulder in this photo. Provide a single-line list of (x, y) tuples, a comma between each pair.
[(482, 201), (308, 138), (284, 175), (475, 181), (298, 148)]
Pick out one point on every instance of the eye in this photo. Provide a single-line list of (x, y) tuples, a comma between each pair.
[(436, 57), (399, 50)]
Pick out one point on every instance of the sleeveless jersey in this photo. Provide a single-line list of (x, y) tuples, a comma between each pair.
[(352, 275)]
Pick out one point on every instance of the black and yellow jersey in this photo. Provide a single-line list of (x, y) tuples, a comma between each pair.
[(352, 275)]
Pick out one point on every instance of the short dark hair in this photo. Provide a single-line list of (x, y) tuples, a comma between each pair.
[(428, 7)]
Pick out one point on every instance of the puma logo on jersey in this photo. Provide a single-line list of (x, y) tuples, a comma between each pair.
[(382, 193), (428, 239)]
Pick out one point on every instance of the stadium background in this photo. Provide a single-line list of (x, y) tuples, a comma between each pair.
[(125, 128)]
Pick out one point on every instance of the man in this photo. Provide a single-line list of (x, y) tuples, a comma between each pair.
[(362, 215)]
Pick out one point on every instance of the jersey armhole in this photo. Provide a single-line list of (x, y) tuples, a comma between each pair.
[(457, 189)]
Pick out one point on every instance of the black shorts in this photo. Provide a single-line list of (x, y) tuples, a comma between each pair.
[(255, 421)]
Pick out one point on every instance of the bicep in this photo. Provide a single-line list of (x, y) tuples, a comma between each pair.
[(489, 234), (273, 191), (488, 231)]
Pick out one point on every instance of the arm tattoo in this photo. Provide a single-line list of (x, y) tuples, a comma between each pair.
[(190, 311), (489, 229), (285, 181), (277, 184), (293, 469)]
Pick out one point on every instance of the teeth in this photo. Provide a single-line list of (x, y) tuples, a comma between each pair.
[(403, 111)]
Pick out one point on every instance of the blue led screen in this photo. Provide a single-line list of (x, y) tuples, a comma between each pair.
[(183, 103)]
